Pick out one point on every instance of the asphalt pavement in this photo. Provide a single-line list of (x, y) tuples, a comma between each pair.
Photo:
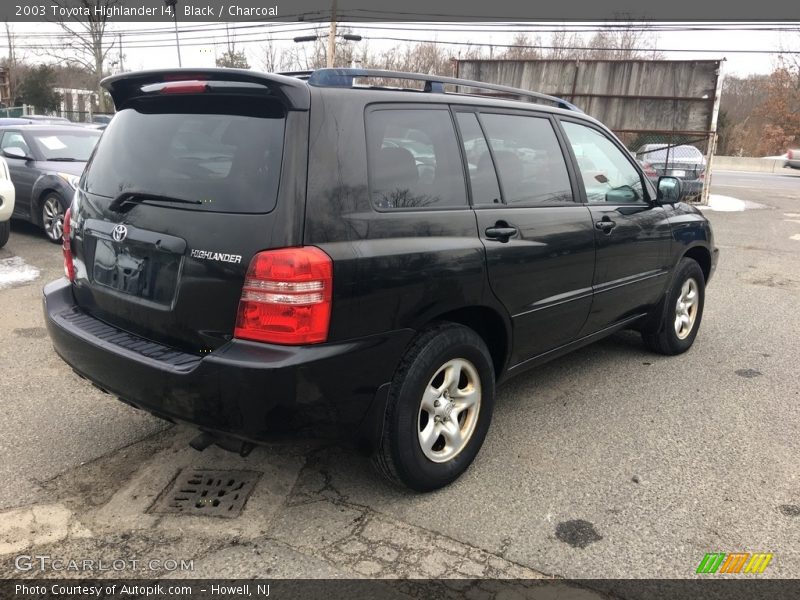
[(611, 462)]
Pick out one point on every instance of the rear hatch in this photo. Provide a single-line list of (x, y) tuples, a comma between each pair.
[(688, 171), (197, 172)]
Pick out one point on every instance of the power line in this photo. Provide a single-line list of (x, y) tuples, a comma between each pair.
[(543, 47)]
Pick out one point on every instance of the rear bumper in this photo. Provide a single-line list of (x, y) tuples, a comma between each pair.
[(243, 389)]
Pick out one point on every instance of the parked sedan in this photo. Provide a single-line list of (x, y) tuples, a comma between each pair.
[(6, 202), (45, 162), (684, 162)]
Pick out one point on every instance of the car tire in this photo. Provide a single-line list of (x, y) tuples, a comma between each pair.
[(5, 232), (51, 213), (439, 410), (680, 312)]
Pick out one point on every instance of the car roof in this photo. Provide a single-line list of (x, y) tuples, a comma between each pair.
[(294, 87), (54, 127)]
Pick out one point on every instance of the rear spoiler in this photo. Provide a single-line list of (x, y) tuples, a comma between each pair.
[(292, 92)]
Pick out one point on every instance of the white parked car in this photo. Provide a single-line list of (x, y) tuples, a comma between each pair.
[(7, 196)]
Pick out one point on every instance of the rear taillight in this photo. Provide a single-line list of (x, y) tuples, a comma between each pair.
[(286, 298), (649, 170), (66, 247), (702, 174)]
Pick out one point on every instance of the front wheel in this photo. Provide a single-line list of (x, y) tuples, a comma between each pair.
[(681, 312), (53, 217), (439, 411)]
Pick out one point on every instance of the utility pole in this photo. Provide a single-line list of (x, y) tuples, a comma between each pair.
[(332, 36), (173, 5), (12, 67), (121, 59)]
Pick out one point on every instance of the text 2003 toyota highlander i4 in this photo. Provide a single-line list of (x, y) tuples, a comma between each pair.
[(251, 250)]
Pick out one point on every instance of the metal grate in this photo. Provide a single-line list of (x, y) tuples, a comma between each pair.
[(207, 493)]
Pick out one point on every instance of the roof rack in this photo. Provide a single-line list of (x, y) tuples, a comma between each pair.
[(433, 83), (297, 74)]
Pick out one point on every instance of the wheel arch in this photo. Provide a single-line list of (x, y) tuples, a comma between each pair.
[(490, 325), (702, 256), (36, 207)]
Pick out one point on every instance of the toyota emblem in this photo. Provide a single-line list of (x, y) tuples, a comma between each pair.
[(120, 233)]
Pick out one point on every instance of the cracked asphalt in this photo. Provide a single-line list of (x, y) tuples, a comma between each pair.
[(608, 463)]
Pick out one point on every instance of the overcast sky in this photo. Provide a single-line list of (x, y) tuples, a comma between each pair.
[(198, 51)]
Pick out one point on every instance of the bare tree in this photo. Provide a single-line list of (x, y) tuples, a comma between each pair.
[(525, 48), (88, 40), (12, 66), (563, 46), (270, 57)]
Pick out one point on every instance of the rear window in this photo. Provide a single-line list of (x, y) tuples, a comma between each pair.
[(225, 152), (676, 153)]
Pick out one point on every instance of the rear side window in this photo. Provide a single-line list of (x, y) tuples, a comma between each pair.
[(225, 153), (479, 160), (529, 160), (413, 159)]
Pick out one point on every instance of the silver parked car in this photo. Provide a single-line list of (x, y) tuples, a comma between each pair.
[(685, 162)]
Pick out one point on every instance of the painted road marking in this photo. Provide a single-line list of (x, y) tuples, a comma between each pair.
[(14, 271), (791, 214), (795, 237)]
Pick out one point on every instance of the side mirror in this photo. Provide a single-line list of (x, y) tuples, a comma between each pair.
[(15, 152), (622, 195), (669, 190)]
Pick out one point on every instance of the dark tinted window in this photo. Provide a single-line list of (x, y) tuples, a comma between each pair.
[(529, 160), (479, 161), (413, 159), (224, 152)]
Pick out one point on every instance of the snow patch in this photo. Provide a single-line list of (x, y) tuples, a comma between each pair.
[(14, 271), (722, 203)]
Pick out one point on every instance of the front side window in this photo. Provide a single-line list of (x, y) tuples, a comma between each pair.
[(608, 175), (14, 139), (413, 159), (528, 159)]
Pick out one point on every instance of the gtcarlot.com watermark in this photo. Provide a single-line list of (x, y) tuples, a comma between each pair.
[(46, 563)]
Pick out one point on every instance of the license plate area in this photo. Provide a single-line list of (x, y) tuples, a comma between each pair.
[(678, 173), (145, 265)]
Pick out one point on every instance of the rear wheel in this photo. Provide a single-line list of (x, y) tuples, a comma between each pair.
[(5, 232), (53, 209), (681, 312), (440, 408)]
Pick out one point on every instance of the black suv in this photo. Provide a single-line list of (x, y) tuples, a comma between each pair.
[(249, 251)]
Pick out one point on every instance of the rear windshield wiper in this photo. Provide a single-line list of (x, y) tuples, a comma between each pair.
[(65, 159), (132, 198)]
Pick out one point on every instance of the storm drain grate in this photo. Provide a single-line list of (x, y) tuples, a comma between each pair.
[(208, 493)]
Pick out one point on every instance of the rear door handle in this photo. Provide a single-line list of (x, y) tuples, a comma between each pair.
[(605, 225), (501, 233)]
